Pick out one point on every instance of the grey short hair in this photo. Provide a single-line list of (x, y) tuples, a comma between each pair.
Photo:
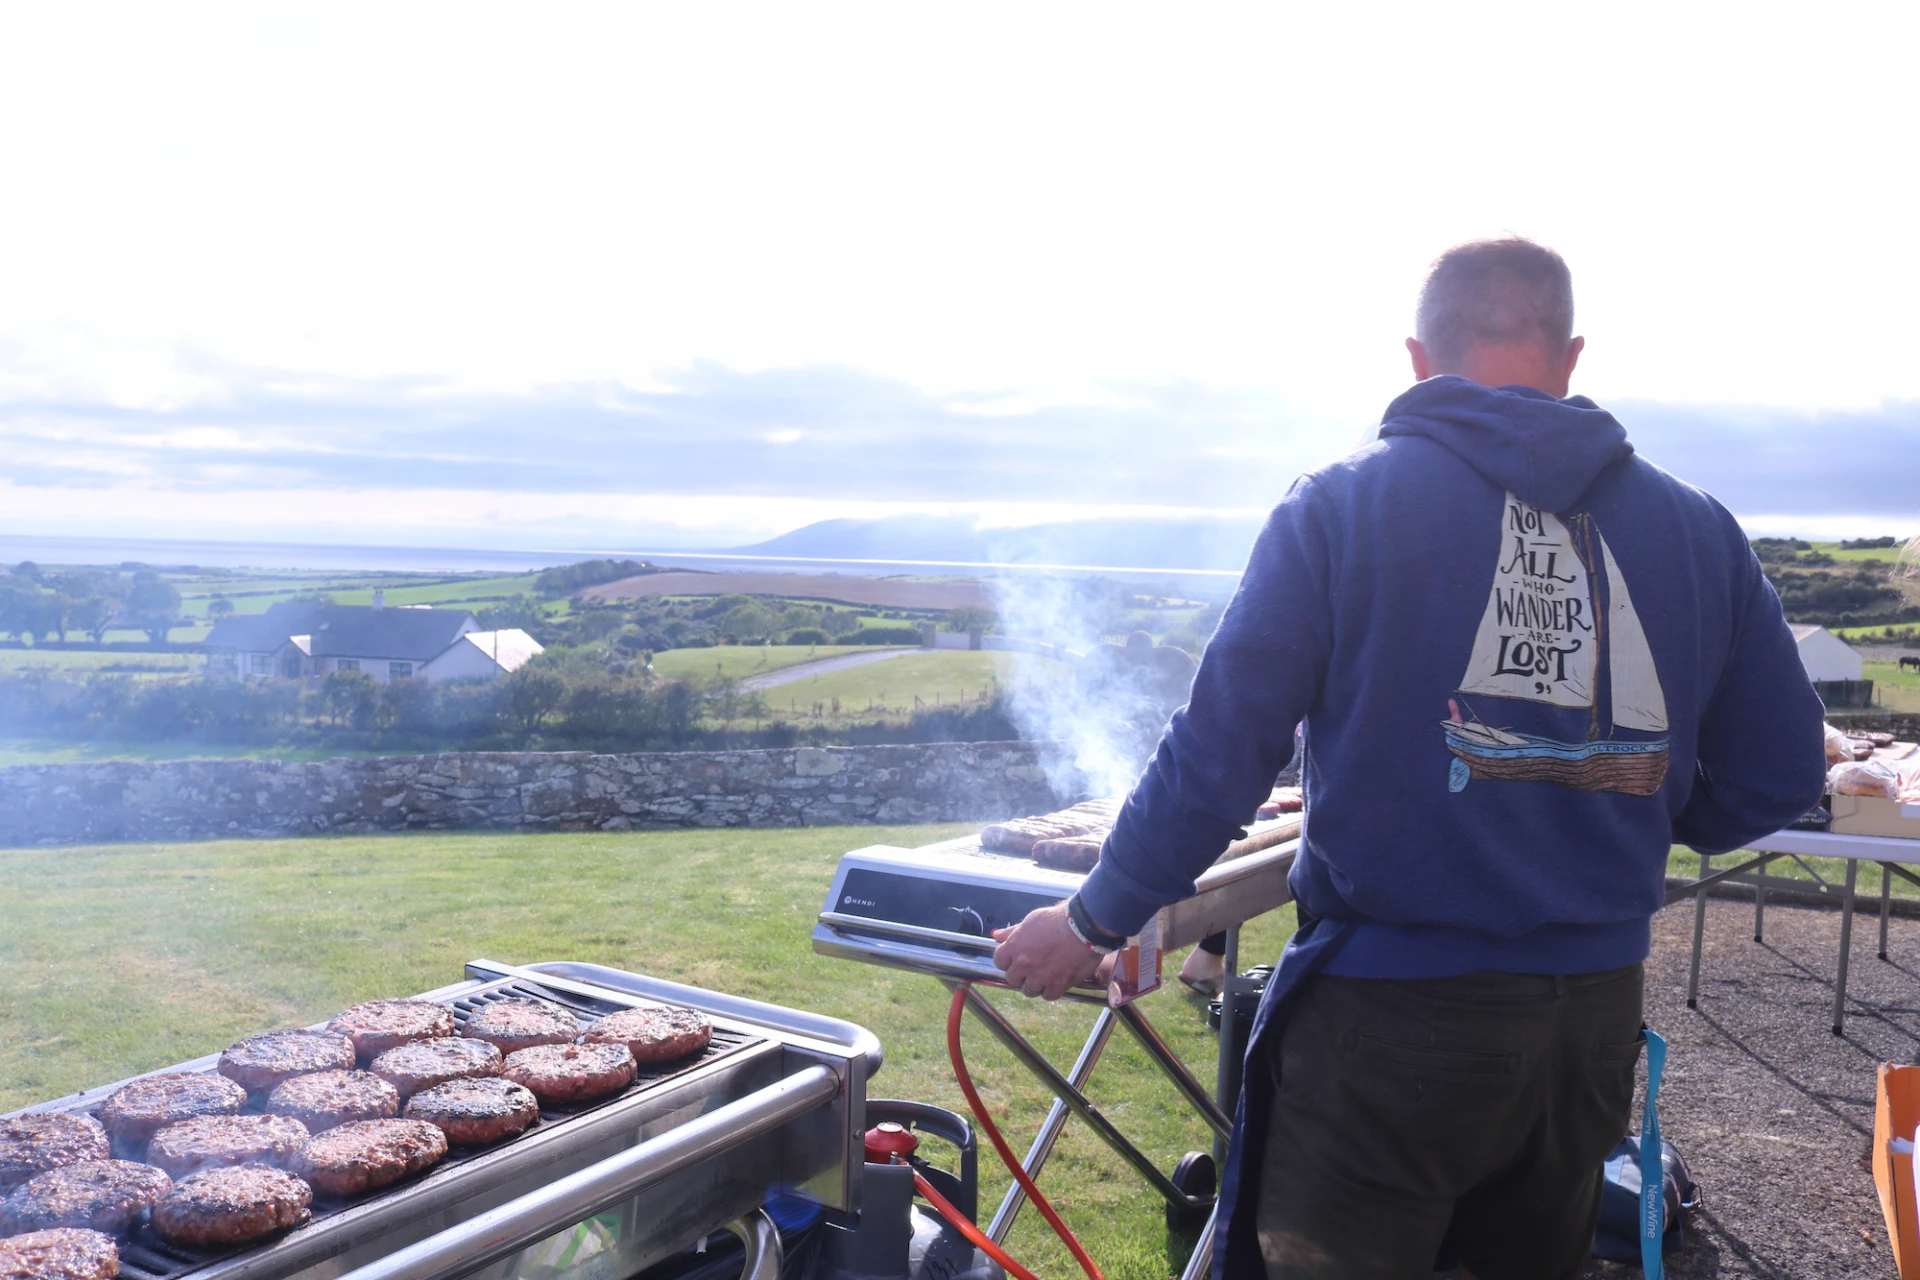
[(1506, 290)]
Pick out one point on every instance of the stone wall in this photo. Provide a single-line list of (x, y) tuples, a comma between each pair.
[(558, 791), (1903, 725)]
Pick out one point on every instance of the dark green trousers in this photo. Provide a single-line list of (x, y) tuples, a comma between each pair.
[(1458, 1118)]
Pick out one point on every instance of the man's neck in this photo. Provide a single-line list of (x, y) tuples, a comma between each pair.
[(1512, 365)]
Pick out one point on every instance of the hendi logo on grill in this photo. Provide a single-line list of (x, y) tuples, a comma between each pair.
[(851, 901)]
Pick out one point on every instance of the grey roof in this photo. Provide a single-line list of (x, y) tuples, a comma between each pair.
[(344, 630)]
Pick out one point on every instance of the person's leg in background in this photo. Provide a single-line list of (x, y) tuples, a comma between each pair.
[(1206, 967)]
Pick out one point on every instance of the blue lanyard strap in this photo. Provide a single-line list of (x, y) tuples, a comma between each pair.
[(1653, 1174)]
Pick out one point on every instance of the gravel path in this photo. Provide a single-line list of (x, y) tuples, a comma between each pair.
[(1774, 1112), (801, 671)]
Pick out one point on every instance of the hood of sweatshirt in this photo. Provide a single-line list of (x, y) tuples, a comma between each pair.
[(1542, 450)]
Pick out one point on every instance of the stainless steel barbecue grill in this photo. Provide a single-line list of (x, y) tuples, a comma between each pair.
[(933, 910), (603, 1189)]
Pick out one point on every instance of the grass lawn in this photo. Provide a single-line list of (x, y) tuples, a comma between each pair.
[(735, 662), (124, 958), (1685, 862), (943, 677)]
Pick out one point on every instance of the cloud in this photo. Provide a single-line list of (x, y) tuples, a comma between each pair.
[(818, 436), (819, 432)]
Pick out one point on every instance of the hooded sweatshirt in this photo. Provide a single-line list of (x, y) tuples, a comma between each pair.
[(1528, 662)]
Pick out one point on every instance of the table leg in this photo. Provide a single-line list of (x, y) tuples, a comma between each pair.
[(1886, 903), (1846, 947), (1699, 935), (1759, 902)]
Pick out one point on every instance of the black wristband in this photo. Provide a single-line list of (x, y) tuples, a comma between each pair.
[(1088, 929)]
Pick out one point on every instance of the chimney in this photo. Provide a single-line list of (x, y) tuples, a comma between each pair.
[(379, 599)]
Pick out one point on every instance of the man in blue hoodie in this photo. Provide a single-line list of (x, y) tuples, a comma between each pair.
[(1528, 662)]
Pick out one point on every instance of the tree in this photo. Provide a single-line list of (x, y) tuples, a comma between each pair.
[(350, 696), (153, 605), (94, 614), (533, 694), (20, 607), (219, 607), (969, 617)]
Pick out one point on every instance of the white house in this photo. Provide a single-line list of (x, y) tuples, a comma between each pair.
[(1825, 655), (299, 638), (483, 655)]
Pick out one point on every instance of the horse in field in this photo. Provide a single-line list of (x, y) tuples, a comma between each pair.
[(1906, 662)]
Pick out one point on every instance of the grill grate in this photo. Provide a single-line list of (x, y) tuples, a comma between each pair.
[(145, 1256)]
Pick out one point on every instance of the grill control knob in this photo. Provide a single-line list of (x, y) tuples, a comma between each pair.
[(969, 922)]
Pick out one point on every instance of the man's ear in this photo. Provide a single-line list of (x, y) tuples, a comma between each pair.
[(1574, 349), (1422, 365)]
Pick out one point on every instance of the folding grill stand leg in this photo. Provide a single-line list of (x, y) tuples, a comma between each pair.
[(1886, 903), (1846, 948), (1161, 1052), (1077, 1102), (1699, 935), (1226, 1086), (1049, 1134), (1759, 901)]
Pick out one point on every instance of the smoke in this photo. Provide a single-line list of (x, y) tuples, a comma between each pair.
[(1102, 706)]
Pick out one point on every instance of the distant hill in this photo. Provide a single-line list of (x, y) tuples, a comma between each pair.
[(1199, 542)]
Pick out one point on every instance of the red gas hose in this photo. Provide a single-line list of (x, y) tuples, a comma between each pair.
[(970, 1231), (1007, 1157)]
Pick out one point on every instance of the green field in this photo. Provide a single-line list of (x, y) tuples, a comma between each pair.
[(121, 959), (61, 751), (943, 678), (736, 662), (103, 661), (1887, 554), (1894, 689)]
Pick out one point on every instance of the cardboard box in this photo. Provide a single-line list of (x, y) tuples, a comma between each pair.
[(1874, 816), (1896, 1113)]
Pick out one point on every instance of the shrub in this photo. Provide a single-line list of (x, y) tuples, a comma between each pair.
[(809, 635)]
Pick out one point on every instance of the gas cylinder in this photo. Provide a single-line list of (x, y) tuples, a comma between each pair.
[(898, 1237)]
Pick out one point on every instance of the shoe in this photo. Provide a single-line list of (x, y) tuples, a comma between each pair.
[(1208, 987)]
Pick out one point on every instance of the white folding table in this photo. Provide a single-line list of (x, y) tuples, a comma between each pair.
[(1888, 851)]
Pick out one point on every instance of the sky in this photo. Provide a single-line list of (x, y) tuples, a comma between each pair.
[(636, 275)]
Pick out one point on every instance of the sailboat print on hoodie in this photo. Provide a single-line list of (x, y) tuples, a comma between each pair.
[(1559, 615)]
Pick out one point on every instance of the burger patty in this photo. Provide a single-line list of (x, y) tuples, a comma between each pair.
[(64, 1253), (379, 1025), (520, 1024), (476, 1111), (34, 1143), (262, 1063), (104, 1195), (425, 1063), (571, 1072), (212, 1142), (653, 1033), (231, 1206), (137, 1109), (328, 1098), (365, 1154)]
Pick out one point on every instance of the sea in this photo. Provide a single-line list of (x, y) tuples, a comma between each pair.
[(167, 553)]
